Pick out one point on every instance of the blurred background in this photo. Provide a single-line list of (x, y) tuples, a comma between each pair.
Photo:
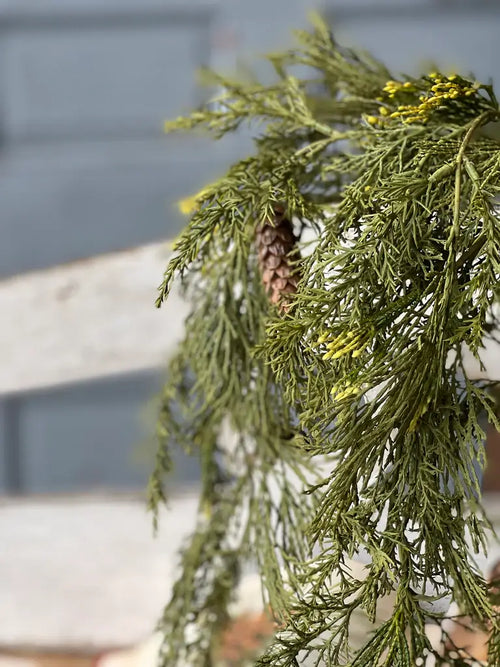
[(88, 185)]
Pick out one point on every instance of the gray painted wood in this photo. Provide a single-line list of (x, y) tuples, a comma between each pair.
[(88, 437), (67, 202), (84, 91)]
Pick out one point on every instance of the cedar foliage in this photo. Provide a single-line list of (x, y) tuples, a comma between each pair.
[(353, 423)]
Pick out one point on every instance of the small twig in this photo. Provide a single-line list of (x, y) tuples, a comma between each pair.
[(480, 120)]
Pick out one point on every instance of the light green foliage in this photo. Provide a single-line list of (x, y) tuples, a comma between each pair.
[(397, 179)]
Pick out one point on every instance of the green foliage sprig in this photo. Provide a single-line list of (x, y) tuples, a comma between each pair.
[(396, 180)]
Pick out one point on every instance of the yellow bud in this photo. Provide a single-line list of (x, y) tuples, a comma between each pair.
[(383, 111), (407, 84), (337, 344), (187, 205), (206, 509), (348, 347), (373, 120), (349, 391)]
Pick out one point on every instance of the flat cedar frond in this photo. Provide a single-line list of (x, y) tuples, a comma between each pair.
[(354, 424)]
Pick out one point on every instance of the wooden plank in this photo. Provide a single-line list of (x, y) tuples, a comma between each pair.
[(87, 319)]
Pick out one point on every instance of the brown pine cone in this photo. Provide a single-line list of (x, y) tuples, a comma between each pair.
[(277, 252)]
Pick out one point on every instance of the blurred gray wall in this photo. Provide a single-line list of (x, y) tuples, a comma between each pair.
[(84, 168)]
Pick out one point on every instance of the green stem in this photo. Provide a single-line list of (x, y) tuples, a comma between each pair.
[(480, 120)]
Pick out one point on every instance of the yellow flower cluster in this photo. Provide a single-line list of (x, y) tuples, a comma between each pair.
[(189, 205), (350, 343), (394, 87), (442, 90), (353, 343), (349, 389)]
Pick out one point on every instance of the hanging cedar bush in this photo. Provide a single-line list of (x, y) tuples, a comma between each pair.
[(335, 277)]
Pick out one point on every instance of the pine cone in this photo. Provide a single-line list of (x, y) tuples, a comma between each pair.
[(277, 251)]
